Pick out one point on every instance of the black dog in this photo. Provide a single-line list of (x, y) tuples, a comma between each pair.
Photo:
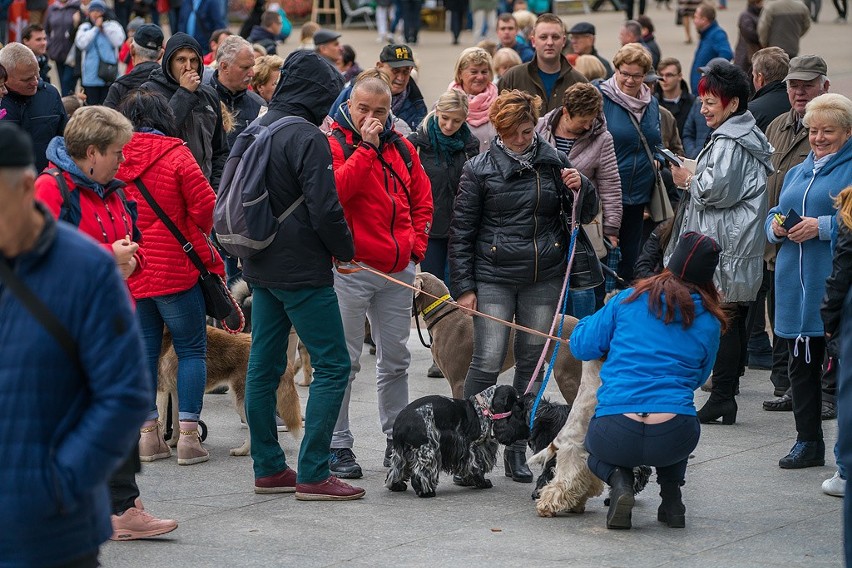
[(549, 419), (437, 433)]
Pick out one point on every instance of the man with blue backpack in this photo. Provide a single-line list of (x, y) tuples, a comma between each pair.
[(286, 239)]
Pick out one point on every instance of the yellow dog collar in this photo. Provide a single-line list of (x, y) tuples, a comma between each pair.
[(434, 305)]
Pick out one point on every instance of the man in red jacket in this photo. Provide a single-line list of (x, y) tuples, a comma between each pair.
[(387, 202)]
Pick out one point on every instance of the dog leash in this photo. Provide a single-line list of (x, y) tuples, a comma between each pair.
[(354, 266), (559, 315)]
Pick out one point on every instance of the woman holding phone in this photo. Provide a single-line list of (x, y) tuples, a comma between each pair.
[(804, 262)]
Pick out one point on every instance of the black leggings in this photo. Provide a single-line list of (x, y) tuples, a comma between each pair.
[(805, 370), (618, 441)]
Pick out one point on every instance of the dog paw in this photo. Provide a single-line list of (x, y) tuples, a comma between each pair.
[(243, 450), (399, 486), (426, 494), (483, 484)]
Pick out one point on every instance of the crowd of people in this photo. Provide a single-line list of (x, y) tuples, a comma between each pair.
[(712, 197)]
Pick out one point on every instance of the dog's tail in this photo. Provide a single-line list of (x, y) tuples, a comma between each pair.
[(288, 406)]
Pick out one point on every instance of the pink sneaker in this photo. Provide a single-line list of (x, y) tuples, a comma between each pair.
[(281, 482), (332, 489), (137, 523)]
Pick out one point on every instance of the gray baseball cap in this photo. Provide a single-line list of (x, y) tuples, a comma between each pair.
[(806, 68)]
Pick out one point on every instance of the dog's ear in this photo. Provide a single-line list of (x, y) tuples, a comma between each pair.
[(418, 285)]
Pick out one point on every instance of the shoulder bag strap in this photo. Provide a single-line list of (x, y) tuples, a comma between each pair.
[(641, 137), (185, 244), (40, 311)]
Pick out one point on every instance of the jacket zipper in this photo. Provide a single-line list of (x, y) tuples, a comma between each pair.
[(535, 223), (393, 215)]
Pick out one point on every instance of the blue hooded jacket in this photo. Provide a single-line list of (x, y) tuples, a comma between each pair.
[(650, 366), (714, 43)]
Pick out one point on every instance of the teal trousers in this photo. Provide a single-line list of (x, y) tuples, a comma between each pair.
[(316, 316)]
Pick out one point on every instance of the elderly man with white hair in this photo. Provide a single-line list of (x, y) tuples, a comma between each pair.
[(31, 103)]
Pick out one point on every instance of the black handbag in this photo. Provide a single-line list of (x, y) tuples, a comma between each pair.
[(107, 72), (218, 302)]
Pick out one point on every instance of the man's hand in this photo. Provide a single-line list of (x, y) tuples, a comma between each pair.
[(190, 80), (467, 301), (370, 131)]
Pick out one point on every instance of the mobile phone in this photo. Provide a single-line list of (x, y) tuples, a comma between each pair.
[(791, 219), (670, 156)]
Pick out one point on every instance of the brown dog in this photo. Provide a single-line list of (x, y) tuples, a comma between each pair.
[(452, 341), (227, 361)]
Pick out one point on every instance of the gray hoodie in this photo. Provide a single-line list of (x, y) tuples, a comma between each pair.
[(727, 201)]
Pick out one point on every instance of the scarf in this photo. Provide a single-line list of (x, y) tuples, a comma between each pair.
[(633, 105), (446, 146), (524, 158), (478, 105), (398, 100)]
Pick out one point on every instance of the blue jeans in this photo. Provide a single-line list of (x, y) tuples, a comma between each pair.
[(618, 441), (581, 303), (183, 313), (435, 261), (530, 305)]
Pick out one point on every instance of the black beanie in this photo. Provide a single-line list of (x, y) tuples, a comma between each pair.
[(695, 258), (16, 147)]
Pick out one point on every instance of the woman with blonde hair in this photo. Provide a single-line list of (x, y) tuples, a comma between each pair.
[(590, 66), (804, 262), (474, 76), (505, 59), (508, 248), (267, 70)]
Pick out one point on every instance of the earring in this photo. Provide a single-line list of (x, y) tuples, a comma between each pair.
[(91, 171)]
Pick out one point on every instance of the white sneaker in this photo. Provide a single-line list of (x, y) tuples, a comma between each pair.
[(836, 486)]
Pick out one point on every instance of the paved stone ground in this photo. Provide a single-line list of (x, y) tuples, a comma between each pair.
[(742, 510)]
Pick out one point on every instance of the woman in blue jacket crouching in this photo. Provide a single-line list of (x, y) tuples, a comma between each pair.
[(660, 340)]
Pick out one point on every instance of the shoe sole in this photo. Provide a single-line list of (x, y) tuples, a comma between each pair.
[(350, 475), (193, 461), (155, 457), (621, 517), (268, 490), (322, 497), (802, 465), (768, 408), (136, 535)]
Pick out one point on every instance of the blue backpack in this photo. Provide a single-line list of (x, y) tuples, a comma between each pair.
[(243, 217)]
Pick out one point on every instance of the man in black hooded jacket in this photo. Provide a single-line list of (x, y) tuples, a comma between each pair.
[(293, 286), (198, 115)]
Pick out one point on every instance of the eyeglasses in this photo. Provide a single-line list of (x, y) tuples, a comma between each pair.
[(635, 77), (669, 75)]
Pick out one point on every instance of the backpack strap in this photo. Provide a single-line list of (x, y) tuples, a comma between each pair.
[(349, 149), (66, 212)]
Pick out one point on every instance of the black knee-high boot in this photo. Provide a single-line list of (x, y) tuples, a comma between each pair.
[(621, 499), (672, 511)]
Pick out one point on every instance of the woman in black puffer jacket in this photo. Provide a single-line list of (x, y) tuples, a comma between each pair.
[(508, 248)]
